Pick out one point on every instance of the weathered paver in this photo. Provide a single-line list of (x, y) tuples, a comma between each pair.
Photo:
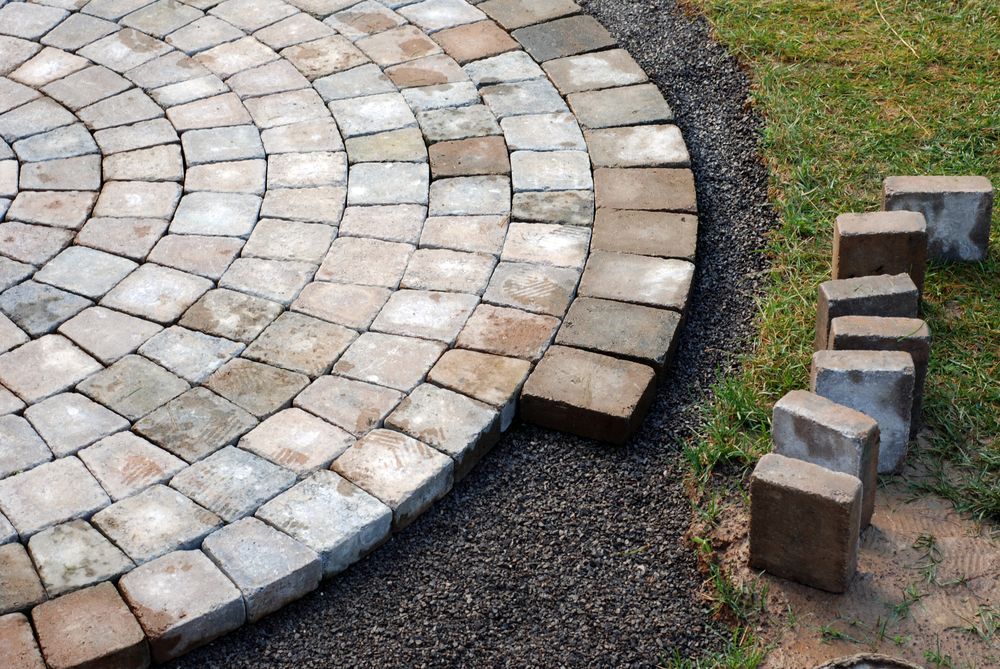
[(876, 383), (20, 446), (69, 422), (20, 588), (91, 627), (804, 523), (353, 405), (587, 393), (270, 568), (881, 333), (958, 211), (244, 242), (454, 424), (297, 440), (49, 494), (182, 600), (125, 464), (332, 516), (133, 387), (197, 423), (806, 426), (406, 474), (17, 643), (75, 555), (154, 522), (260, 389)]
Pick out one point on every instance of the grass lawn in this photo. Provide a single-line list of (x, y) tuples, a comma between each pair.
[(853, 92)]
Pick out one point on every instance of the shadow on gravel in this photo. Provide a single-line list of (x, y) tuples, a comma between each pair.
[(558, 551)]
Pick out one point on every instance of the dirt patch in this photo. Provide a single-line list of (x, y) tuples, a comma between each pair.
[(927, 590)]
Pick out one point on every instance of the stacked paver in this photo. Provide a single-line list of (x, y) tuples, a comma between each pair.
[(813, 496), (274, 274)]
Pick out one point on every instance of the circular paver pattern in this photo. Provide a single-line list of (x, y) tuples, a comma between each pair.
[(275, 274)]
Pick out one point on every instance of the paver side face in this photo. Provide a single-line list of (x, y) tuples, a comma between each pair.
[(884, 242), (958, 211), (806, 426), (805, 521), (877, 333), (876, 383)]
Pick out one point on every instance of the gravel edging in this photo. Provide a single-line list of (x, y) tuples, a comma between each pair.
[(557, 551)]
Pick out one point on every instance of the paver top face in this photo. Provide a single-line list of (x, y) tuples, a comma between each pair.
[(287, 266)]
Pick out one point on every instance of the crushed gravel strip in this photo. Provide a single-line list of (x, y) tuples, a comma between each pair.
[(557, 551)]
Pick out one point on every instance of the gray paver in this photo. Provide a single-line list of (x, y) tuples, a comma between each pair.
[(182, 601), (38, 308), (45, 366), (133, 387), (232, 214), (278, 280), (140, 199), (196, 424), (189, 354), (239, 142), (158, 293), (876, 383), (332, 516), (50, 494), (85, 271), (20, 446), (75, 555), (154, 522), (70, 421), (108, 335), (655, 282), (270, 568), (232, 482), (244, 176)]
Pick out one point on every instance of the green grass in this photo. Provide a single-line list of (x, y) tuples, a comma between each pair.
[(851, 95), (852, 92)]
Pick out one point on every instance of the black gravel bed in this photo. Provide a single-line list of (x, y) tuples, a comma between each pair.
[(557, 551)]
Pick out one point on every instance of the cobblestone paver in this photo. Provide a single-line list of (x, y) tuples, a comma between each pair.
[(274, 274)]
